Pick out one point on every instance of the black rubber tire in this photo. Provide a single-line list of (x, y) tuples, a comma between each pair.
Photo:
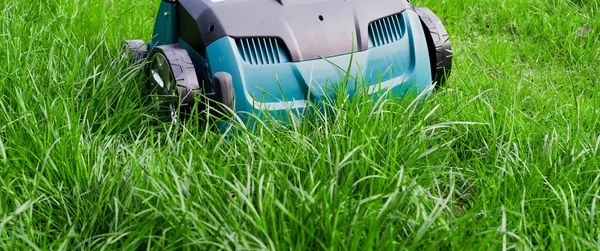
[(438, 42), (183, 74), (135, 50)]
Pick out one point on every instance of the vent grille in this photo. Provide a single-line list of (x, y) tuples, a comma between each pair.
[(262, 51), (386, 30)]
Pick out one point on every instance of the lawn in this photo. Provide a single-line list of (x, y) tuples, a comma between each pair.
[(506, 155)]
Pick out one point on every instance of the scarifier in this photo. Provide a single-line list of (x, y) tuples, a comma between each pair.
[(271, 56)]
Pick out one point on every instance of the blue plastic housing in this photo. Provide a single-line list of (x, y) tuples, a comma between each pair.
[(284, 86)]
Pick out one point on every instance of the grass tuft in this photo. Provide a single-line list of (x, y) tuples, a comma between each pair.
[(505, 156)]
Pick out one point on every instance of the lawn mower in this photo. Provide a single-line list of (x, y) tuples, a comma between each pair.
[(269, 56)]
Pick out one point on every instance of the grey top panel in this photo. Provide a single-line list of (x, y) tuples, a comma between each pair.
[(310, 28)]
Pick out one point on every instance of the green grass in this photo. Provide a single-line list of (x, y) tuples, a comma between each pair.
[(505, 156)]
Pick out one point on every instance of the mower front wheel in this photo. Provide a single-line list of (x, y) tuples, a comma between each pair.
[(173, 82)]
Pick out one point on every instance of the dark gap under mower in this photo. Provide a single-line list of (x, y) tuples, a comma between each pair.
[(273, 56)]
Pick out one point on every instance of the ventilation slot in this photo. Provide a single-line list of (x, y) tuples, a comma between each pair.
[(262, 51), (386, 30)]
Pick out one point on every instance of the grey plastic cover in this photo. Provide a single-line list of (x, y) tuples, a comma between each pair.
[(310, 29)]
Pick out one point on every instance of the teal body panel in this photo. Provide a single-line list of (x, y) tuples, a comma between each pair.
[(397, 67), (165, 25)]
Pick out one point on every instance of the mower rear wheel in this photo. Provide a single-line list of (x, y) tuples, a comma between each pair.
[(135, 50), (438, 42), (172, 81)]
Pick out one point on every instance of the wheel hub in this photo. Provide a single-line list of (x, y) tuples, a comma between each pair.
[(163, 85)]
